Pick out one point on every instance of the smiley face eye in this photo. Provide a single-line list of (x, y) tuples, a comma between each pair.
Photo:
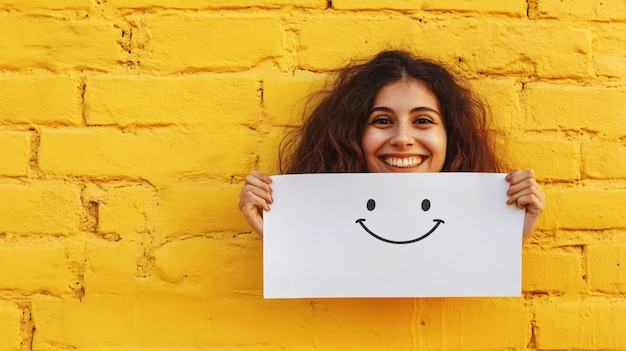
[(425, 205), (371, 204)]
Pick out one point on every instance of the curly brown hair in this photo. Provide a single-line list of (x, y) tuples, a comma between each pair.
[(329, 139)]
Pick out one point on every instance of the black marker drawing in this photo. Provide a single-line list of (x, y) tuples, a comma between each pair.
[(371, 204)]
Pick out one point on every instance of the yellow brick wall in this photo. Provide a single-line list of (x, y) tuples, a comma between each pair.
[(127, 126)]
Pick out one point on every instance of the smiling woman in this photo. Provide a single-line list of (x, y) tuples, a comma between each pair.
[(393, 113), (405, 131)]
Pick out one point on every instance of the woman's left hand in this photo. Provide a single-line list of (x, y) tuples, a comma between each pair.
[(525, 192)]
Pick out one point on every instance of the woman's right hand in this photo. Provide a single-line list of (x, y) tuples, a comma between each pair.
[(255, 197)]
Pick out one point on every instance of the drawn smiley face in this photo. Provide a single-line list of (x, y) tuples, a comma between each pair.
[(371, 205)]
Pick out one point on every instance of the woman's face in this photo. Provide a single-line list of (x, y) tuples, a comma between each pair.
[(405, 130)]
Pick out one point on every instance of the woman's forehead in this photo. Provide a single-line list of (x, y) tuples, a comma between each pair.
[(409, 90)]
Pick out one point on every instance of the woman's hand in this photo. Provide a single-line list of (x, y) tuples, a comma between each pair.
[(525, 193), (255, 197)]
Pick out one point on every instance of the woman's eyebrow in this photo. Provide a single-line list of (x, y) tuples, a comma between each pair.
[(415, 109), (424, 108), (382, 108)]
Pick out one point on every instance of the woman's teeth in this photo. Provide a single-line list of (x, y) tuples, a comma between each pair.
[(403, 162)]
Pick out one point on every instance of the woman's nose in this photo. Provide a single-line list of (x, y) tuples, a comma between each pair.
[(402, 136)]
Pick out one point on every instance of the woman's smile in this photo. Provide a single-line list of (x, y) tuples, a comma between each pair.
[(403, 161)]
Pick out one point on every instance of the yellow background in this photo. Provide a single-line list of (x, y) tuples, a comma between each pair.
[(126, 128)]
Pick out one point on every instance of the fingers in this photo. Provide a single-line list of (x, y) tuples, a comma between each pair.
[(257, 184), (253, 194), (515, 176), (525, 192), (260, 176), (253, 211), (249, 198), (255, 197)]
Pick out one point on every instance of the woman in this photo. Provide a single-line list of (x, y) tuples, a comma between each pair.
[(394, 113)]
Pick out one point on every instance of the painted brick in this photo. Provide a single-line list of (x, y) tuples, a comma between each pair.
[(151, 154), (219, 266), (20, 271), (553, 271), (10, 316), (192, 4), (515, 7), (609, 51), (584, 324), (331, 41), (212, 348), (284, 100), (551, 157), (502, 97), (599, 109), (580, 238), (58, 45), (328, 42), (199, 208), (134, 320), (46, 5), (607, 267), (14, 153), (164, 320), (40, 208), (111, 267), (381, 323), (57, 99), (592, 10), (376, 4), (604, 158), (128, 210), (565, 53), (188, 100), (176, 45), (585, 208), (263, 317), (462, 323), (268, 150)]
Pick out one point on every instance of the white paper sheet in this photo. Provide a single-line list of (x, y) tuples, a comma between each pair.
[(392, 235)]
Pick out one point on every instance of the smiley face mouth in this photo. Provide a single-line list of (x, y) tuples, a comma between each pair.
[(437, 223)]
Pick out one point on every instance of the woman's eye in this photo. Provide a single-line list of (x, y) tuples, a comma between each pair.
[(423, 120), (381, 120)]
